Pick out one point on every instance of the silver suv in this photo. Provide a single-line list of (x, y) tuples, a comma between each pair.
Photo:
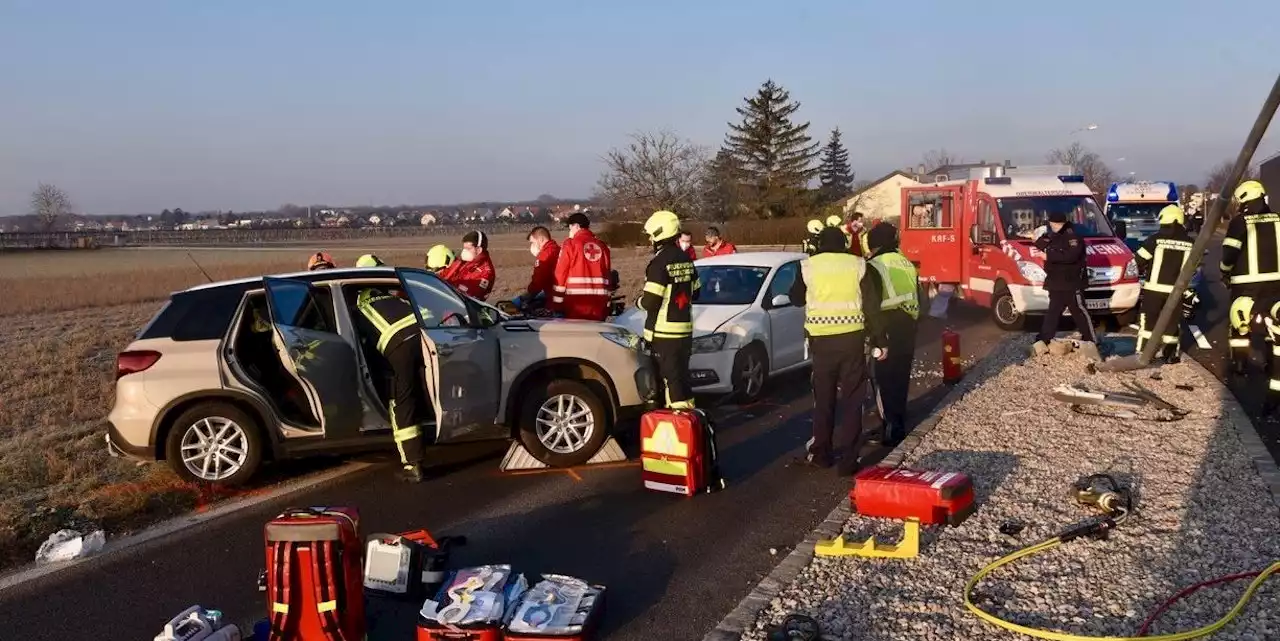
[(230, 374)]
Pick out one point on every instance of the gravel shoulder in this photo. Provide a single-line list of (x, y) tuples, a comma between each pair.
[(1203, 511)]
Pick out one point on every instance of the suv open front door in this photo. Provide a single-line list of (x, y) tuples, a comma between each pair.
[(464, 370), (322, 362)]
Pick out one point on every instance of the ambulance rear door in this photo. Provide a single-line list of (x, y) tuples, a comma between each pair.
[(932, 233)]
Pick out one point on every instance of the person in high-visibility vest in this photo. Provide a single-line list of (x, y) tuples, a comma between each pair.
[(1250, 258), (898, 284), (671, 285), (839, 301), (389, 322), (1160, 258), (1259, 319)]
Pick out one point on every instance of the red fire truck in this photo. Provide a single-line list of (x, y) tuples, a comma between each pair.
[(975, 237)]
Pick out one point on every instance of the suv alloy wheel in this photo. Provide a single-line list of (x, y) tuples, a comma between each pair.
[(214, 442), (563, 423)]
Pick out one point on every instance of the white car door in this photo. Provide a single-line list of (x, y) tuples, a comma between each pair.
[(786, 321)]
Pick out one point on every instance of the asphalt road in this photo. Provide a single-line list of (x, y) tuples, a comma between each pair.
[(674, 566)]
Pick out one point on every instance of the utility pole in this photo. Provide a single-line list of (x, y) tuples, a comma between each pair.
[(1174, 302)]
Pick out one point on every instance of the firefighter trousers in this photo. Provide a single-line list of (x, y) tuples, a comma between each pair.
[(839, 385), (672, 358), (893, 375), (1148, 312), (1240, 342), (407, 399), (1060, 301)]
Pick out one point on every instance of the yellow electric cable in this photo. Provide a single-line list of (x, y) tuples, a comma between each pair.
[(1041, 633)]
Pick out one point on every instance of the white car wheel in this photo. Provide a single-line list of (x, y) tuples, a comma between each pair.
[(750, 370), (565, 424)]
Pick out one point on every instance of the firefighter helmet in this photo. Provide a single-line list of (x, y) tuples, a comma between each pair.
[(814, 226), (1241, 310), (320, 260), (439, 257), (369, 260), (662, 225), (834, 221), (1249, 190), (1172, 215)]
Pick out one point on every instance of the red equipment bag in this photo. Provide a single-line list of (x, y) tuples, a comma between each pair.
[(432, 631), (678, 452), (315, 575), (931, 497)]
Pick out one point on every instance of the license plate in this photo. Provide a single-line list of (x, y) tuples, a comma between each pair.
[(1101, 303)]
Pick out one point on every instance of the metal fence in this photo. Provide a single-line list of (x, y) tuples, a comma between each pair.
[(231, 237)]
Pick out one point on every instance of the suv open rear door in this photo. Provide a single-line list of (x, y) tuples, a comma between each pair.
[(464, 370), (323, 363)]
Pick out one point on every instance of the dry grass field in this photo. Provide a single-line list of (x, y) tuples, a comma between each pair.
[(66, 314)]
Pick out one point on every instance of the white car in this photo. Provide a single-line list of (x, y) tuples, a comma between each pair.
[(745, 328)]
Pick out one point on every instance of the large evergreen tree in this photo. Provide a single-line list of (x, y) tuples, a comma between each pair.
[(776, 156), (835, 176), (724, 189)]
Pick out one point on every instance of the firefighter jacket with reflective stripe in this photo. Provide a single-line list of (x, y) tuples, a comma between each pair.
[(582, 278), (671, 285), (1162, 256), (899, 283), (474, 278), (1251, 250), (833, 287), (543, 280), (388, 319)]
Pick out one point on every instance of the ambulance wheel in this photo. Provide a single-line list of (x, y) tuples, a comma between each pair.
[(563, 422), (214, 442), (1005, 313), (750, 369)]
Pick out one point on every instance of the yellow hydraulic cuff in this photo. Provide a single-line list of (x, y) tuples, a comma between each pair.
[(908, 548)]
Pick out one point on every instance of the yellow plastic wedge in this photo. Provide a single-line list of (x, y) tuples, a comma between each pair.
[(908, 548)]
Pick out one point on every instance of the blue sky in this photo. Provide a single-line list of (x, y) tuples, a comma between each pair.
[(141, 105)]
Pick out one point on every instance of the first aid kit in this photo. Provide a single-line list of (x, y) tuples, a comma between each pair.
[(406, 565), (557, 608), (930, 497), (314, 575), (198, 624), (471, 605), (678, 452)]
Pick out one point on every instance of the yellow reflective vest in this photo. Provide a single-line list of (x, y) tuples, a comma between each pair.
[(833, 302), (899, 282)]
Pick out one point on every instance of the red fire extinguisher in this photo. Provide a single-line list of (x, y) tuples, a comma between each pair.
[(950, 356)]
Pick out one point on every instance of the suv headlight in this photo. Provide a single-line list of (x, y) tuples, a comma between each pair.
[(622, 338), (1131, 269), (709, 343), (1031, 272)]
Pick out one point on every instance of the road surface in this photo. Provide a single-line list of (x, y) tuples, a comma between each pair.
[(674, 566)]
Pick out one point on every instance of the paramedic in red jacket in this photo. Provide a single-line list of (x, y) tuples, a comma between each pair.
[(685, 242), (582, 274), (717, 246), (545, 253), (473, 273)]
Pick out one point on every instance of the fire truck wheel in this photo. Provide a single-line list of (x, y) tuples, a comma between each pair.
[(1005, 313), (563, 422)]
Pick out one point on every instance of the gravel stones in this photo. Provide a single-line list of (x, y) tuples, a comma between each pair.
[(1202, 512)]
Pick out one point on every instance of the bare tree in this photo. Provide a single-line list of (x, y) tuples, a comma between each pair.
[(1216, 179), (657, 170), (49, 204), (1097, 175), (938, 158)]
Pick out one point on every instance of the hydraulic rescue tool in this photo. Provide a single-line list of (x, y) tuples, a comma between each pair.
[(1115, 502)]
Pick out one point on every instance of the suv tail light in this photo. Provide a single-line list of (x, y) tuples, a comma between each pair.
[(133, 362)]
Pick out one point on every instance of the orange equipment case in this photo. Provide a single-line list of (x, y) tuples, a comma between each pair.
[(896, 493)]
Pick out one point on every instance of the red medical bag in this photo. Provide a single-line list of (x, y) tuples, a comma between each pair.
[(931, 497), (432, 631), (315, 575), (678, 452)]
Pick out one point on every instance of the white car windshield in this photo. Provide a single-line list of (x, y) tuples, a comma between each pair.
[(730, 284)]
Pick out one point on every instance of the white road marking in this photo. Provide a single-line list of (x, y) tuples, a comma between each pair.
[(1199, 336)]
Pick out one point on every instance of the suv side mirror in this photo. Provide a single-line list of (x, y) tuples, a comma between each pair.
[(781, 300)]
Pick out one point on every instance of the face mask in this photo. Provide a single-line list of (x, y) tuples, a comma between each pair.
[(468, 254), (684, 244), (534, 250), (573, 230)]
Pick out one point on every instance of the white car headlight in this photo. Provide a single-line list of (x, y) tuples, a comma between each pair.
[(623, 338), (709, 343), (1131, 269), (1031, 272)]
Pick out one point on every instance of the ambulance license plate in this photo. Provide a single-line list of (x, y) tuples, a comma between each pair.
[(1100, 303)]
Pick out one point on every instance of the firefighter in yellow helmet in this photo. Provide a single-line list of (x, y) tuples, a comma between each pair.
[(670, 287), (1250, 258), (1259, 319), (810, 243), (369, 260), (438, 258), (1160, 258)]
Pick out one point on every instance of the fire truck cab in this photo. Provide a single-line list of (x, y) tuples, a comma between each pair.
[(975, 237)]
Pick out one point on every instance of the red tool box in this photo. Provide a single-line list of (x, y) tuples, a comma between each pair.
[(929, 496)]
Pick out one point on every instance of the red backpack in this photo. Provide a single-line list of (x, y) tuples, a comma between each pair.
[(315, 563)]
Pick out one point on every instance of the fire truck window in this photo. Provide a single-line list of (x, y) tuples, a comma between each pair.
[(930, 211), (987, 223)]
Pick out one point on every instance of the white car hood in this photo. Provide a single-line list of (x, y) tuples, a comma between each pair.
[(706, 318)]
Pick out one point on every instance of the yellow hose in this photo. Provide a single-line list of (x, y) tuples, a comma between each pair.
[(1040, 633)]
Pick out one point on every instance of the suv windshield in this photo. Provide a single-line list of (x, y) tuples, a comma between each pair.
[(1023, 217), (1145, 212), (730, 284)]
